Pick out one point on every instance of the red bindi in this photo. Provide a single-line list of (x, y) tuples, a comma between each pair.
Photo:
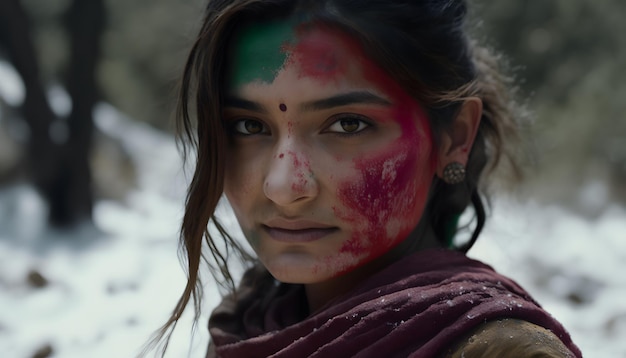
[(283, 107)]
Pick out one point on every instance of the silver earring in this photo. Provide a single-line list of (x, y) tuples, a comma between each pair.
[(454, 173)]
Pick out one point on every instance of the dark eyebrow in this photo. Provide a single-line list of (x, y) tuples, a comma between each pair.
[(240, 103), (344, 100)]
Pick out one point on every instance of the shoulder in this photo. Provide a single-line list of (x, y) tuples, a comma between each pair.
[(509, 338)]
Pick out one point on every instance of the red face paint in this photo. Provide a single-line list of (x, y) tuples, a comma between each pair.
[(302, 169), (386, 200), (371, 191), (391, 192), (289, 128), (386, 190), (316, 57)]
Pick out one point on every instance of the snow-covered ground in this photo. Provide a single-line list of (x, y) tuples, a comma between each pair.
[(574, 267), (103, 290)]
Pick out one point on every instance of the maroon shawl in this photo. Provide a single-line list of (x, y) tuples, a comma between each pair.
[(416, 307)]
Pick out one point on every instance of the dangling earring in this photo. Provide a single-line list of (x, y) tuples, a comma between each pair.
[(454, 173)]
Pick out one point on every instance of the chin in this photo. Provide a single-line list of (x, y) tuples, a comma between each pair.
[(303, 269), (297, 271)]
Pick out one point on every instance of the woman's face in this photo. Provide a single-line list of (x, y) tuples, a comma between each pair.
[(329, 161)]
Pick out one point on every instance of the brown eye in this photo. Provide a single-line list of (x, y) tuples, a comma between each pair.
[(348, 125), (249, 127)]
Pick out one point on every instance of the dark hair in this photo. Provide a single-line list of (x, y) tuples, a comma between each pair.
[(422, 44)]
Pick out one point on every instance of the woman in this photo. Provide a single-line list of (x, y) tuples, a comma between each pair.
[(348, 137)]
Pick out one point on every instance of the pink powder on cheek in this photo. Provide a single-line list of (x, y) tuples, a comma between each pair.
[(392, 184), (389, 188)]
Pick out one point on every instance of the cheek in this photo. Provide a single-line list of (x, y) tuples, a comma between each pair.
[(386, 197), (241, 179), (233, 180)]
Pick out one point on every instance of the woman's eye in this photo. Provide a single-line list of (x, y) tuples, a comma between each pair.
[(249, 127), (348, 125)]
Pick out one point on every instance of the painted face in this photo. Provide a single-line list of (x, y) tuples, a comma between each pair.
[(330, 161)]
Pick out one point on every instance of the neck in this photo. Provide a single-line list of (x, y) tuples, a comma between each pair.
[(320, 293)]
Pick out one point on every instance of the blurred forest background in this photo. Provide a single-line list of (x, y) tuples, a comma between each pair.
[(567, 56)]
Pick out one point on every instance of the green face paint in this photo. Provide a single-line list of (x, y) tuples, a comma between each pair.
[(259, 52)]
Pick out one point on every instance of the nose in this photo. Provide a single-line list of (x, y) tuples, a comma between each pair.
[(290, 179)]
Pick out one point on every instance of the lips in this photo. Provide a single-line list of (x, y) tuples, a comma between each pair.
[(297, 231)]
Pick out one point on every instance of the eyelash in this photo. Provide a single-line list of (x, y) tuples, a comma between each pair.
[(237, 129), (238, 126), (364, 124)]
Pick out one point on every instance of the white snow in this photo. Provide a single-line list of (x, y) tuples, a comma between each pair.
[(110, 286), (12, 89), (555, 254)]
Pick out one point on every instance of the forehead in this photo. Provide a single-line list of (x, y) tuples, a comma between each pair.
[(260, 51)]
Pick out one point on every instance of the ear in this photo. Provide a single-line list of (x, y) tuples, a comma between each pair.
[(457, 140)]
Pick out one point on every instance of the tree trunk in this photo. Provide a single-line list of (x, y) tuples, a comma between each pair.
[(15, 34), (60, 171), (85, 24)]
